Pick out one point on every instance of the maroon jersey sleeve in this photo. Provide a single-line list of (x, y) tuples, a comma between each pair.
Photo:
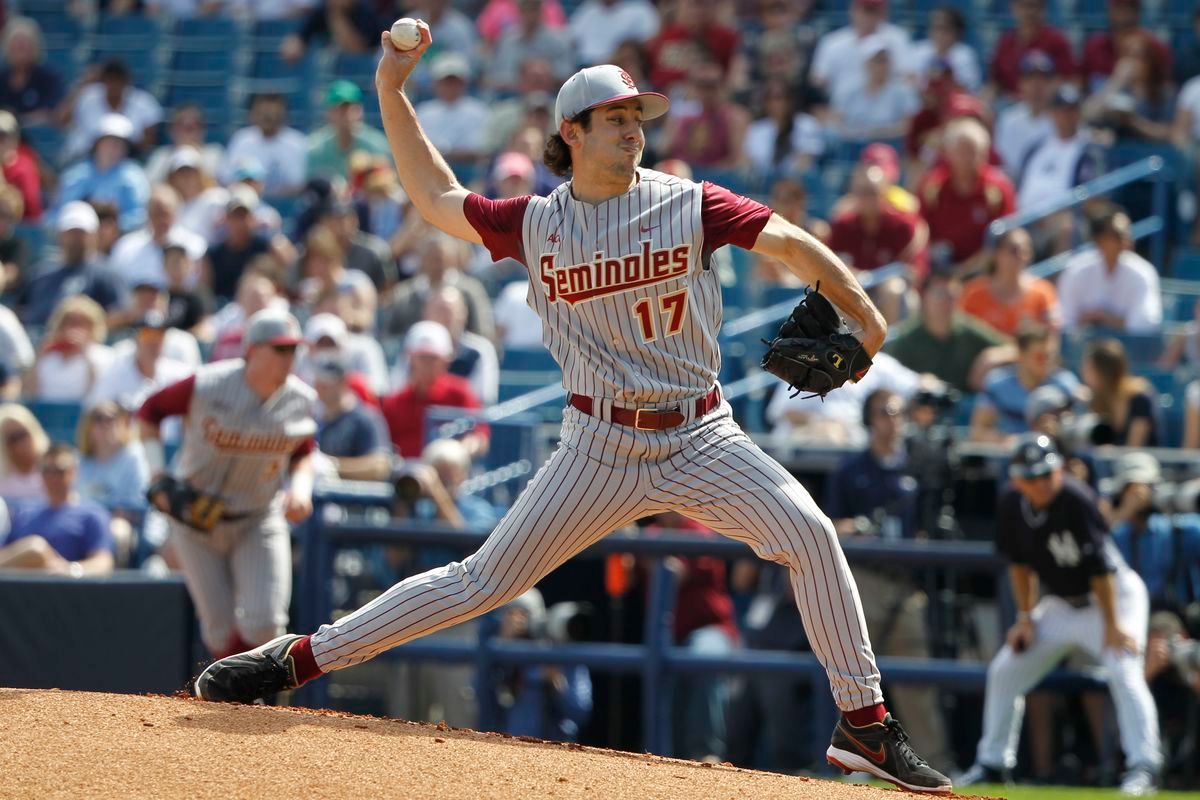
[(302, 449), (170, 401), (730, 218), (498, 223)]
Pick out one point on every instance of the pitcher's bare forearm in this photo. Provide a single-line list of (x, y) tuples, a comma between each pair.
[(426, 177)]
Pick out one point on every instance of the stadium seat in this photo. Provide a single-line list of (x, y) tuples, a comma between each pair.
[(129, 32), (47, 140), (206, 32), (59, 419), (1185, 264), (533, 359), (34, 237), (212, 65)]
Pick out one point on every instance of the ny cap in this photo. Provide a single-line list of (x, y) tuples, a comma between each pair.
[(1034, 456), (78, 216), (429, 338), (598, 86), (1035, 62), (153, 319), (1066, 96), (272, 326)]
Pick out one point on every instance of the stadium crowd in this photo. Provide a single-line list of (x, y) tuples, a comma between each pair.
[(160, 187)]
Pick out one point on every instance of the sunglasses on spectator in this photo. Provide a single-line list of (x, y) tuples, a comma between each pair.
[(284, 349), (16, 436)]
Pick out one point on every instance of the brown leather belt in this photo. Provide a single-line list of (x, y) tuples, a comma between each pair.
[(649, 419)]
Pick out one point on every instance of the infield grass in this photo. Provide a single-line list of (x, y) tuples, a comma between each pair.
[(1064, 793)]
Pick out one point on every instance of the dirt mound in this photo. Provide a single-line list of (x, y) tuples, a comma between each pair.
[(83, 744)]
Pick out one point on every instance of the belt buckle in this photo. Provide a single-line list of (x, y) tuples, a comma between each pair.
[(637, 419)]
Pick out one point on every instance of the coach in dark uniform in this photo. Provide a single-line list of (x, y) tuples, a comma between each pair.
[(1050, 528)]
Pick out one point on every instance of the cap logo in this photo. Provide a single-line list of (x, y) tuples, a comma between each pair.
[(627, 80)]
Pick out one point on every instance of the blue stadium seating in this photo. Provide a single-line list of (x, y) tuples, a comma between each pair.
[(206, 32), (1185, 264), (59, 419), (47, 140), (536, 359), (129, 32)]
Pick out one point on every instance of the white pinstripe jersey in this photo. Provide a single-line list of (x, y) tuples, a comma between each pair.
[(631, 312), (235, 445)]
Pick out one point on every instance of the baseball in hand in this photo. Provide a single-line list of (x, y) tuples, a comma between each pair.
[(405, 34)]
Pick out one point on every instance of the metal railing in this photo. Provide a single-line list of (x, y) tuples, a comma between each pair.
[(1055, 264)]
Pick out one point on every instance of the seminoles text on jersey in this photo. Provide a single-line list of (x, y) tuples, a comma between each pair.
[(578, 283)]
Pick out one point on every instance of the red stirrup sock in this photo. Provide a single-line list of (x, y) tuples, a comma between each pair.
[(861, 717), (306, 665)]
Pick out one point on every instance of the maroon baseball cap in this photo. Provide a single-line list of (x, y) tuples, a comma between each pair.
[(884, 156)]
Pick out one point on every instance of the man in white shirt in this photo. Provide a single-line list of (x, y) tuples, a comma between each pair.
[(268, 141), (518, 327), (1111, 287), (140, 367), (362, 353), (838, 64), (1023, 124), (137, 257), (1062, 160), (598, 26), (112, 92), (149, 301), (454, 121)]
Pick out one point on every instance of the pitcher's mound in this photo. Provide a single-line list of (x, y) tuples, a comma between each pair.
[(82, 744)]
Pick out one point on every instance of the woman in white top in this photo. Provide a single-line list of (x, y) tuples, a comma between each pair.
[(201, 201), (72, 354), (946, 29), (22, 444), (782, 139), (878, 108)]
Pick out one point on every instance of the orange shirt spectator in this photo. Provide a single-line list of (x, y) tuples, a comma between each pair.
[(1008, 297)]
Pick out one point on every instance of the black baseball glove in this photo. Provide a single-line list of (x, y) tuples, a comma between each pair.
[(812, 352), (180, 501)]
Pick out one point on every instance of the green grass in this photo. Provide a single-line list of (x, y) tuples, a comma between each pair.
[(1063, 793)]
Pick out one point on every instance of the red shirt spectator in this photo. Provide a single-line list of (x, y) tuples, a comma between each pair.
[(959, 209), (21, 172), (1104, 48), (940, 108), (678, 47), (873, 234), (1031, 33), (703, 598)]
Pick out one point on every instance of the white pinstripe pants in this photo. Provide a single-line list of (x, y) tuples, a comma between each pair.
[(1060, 628), (604, 476), (239, 577)]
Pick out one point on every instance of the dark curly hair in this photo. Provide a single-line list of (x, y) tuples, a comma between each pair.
[(557, 155)]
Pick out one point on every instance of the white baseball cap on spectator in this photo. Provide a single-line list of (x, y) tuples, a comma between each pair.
[(450, 65), (601, 85), (326, 326), (183, 158), (78, 216), (241, 196), (115, 125), (429, 338)]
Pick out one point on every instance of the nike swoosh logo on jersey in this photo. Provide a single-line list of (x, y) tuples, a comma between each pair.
[(646, 229), (877, 754)]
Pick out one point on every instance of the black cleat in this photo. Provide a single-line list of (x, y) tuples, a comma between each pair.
[(256, 674), (881, 749)]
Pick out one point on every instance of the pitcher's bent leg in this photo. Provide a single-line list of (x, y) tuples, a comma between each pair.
[(572, 502)]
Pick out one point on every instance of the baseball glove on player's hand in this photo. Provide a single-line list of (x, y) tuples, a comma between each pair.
[(811, 352), (180, 501)]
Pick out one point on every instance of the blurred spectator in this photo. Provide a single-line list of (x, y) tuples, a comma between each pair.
[(20, 169), (324, 275), (442, 260), (444, 468), (880, 106), (14, 252), (782, 45), (1008, 297), (1175, 683), (693, 36), (103, 91), (783, 138), (963, 195), (838, 65), (942, 101), (279, 150), (1062, 160), (255, 291), (711, 131), (330, 147), (453, 119), (1124, 403), (150, 304), (28, 87), (455, 34), (956, 348), (498, 17), (381, 205), (429, 351), (870, 494), (598, 27), (72, 355), (873, 234), (366, 369), (141, 366), (839, 421), (543, 701), (227, 259), (474, 356), (109, 174), (1125, 37), (1191, 416), (1111, 286), (999, 411), (268, 9), (535, 86), (530, 37), (187, 129), (884, 156), (77, 274), (139, 255), (789, 199), (187, 303), (112, 467), (1185, 135), (22, 444), (108, 233), (1025, 123), (947, 27), (1031, 33), (1187, 52), (16, 354), (1135, 101), (350, 26), (1165, 551), (365, 253), (352, 435), (1183, 348), (201, 200), (518, 327), (1051, 411), (64, 534)]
